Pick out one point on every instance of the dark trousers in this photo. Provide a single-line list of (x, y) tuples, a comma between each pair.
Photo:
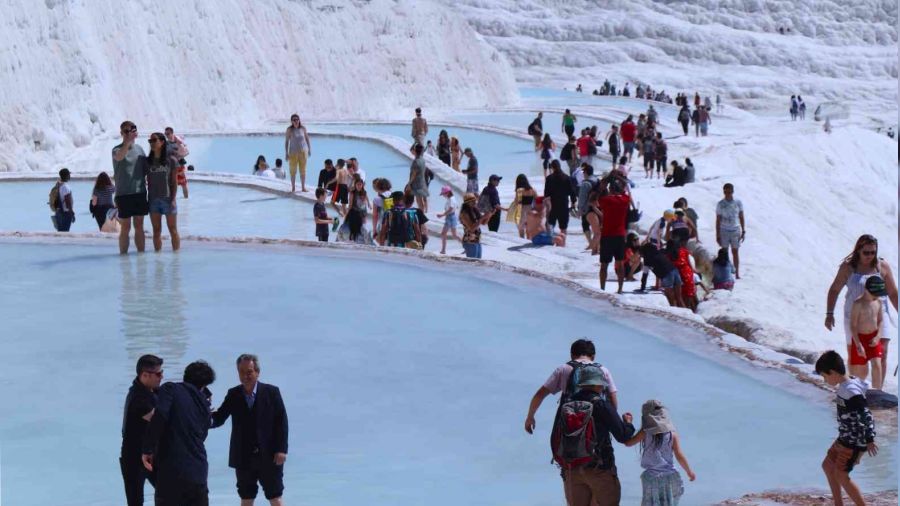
[(684, 126), (178, 492), (64, 220), (134, 474), (494, 222)]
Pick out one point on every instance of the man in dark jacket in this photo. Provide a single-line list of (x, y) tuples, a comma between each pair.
[(259, 433), (597, 483), (491, 199), (174, 441), (139, 409), (558, 189)]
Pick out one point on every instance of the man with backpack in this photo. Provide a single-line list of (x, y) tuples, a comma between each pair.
[(569, 154), (582, 446), (61, 202), (536, 129), (581, 353), (684, 117), (399, 227)]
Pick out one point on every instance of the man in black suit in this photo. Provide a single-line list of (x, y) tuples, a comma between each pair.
[(259, 433)]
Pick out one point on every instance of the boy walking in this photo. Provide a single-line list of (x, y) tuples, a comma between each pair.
[(856, 428), (320, 215), (866, 349)]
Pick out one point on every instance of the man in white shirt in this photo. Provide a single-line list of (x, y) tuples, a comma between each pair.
[(65, 215)]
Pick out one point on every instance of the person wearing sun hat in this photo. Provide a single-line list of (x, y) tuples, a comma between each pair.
[(472, 219), (597, 483), (660, 447), (450, 216)]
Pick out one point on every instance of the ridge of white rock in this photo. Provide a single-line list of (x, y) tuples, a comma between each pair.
[(844, 51), (74, 69)]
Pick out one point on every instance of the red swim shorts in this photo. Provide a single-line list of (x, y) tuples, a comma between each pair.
[(876, 351), (181, 176)]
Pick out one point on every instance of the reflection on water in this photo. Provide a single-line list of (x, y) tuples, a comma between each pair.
[(152, 310)]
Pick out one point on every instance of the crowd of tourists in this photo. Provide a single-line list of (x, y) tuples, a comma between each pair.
[(165, 425)]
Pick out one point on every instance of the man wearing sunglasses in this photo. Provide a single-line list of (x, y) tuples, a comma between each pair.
[(129, 164), (139, 408)]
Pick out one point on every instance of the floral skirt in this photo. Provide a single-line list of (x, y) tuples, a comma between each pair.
[(665, 490)]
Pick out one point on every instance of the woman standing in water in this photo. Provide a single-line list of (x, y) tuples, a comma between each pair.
[(162, 183), (297, 149), (102, 198)]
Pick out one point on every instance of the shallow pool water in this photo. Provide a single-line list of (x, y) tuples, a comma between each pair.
[(212, 210), (500, 154), (237, 154), (404, 383)]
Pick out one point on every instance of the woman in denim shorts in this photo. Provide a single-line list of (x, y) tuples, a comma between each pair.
[(162, 183)]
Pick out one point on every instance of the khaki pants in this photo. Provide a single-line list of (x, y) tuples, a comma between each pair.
[(592, 487), (298, 161)]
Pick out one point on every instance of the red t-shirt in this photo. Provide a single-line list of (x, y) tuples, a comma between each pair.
[(582, 144), (628, 131), (615, 214)]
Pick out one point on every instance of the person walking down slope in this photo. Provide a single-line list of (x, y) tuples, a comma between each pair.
[(629, 132), (568, 123), (795, 108), (684, 117), (419, 127), (595, 483), (547, 148), (730, 229), (536, 130), (297, 150), (704, 120), (801, 108), (660, 448), (612, 142)]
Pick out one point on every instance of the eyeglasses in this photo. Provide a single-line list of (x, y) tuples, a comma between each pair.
[(295, 120), (152, 140), (868, 253), (158, 373)]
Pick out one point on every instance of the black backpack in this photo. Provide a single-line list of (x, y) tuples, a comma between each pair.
[(399, 231), (531, 128), (566, 153)]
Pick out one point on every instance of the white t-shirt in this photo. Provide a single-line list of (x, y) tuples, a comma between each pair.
[(63, 191), (266, 173), (729, 213), (450, 204)]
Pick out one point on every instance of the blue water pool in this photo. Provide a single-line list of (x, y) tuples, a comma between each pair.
[(405, 383), (237, 154), (500, 154), (212, 210)]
